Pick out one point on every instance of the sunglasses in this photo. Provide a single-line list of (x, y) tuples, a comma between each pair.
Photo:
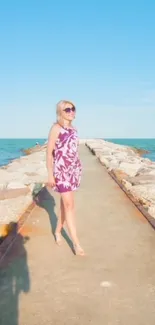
[(69, 109)]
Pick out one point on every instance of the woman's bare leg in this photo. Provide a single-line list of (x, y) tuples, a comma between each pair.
[(61, 218), (68, 203), (60, 223)]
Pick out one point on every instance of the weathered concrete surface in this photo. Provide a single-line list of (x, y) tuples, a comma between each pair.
[(41, 283)]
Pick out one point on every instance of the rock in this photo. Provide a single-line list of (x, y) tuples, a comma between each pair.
[(147, 161), (143, 171), (127, 184), (4, 176), (104, 161), (142, 179), (105, 151), (121, 156), (130, 169), (96, 151), (35, 159), (31, 174), (16, 185), (11, 209), (17, 176), (14, 166), (98, 144), (114, 146), (13, 193), (107, 156), (151, 210), (140, 151), (152, 172), (39, 178), (36, 148), (2, 186), (108, 163), (146, 168), (119, 174), (114, 164), (146, 192), (42, 170)]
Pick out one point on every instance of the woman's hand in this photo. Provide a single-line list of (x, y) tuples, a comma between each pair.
[(51, 181)]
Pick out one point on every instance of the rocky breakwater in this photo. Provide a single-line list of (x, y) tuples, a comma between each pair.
[(134, 173), (19, 182)]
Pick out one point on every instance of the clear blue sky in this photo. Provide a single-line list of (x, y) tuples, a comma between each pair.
[(99, 54)]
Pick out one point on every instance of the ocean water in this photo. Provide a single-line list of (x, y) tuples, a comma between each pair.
[(147, 144), (12, 148)]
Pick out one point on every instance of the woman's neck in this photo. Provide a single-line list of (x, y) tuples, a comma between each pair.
[(67, 124)]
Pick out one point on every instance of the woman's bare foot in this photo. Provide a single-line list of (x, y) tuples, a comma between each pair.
[(58, 238), (79, 250)]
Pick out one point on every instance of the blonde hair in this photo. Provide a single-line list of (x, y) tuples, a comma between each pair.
[(59, 107)]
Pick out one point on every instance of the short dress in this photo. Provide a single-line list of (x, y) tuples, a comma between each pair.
[(66, 162)]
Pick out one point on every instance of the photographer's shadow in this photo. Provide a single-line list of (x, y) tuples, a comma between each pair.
[(45, 200), (14, 278)]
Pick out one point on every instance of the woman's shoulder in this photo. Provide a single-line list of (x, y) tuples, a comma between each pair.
[(54, 130), (55, 127)]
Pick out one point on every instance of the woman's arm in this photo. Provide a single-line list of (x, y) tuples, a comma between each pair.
[(52, 137)]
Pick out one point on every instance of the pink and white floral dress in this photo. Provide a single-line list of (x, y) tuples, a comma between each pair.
[(67, 165)]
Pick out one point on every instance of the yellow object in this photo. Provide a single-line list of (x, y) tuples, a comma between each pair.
[(5, 230)]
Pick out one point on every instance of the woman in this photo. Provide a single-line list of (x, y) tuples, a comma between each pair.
[(64, 168)]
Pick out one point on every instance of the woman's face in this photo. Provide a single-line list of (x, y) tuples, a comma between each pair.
[(68, 112)]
